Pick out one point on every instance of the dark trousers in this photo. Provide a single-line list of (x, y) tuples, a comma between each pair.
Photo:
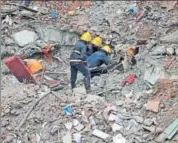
[(98, 71), (75, 67)]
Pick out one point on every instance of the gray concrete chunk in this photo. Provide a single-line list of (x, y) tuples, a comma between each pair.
[(170, 38), (100, 134), (24, 37)]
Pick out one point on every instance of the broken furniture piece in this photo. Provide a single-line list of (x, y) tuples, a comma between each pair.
[(19, 70)]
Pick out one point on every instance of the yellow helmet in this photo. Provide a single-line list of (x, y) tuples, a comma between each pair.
[(107, 49), (86, 37), (97, 41)]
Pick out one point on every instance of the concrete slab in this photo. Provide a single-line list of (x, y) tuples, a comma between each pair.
[(24, 37)]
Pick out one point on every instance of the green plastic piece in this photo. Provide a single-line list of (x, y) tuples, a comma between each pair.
[(171, 130)]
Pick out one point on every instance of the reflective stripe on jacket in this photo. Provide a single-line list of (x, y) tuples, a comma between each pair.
[(82, 49)]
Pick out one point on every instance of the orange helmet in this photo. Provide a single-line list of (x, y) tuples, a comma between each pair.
[(131, 51)]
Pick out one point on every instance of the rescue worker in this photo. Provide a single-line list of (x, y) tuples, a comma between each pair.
[(77, 61), (99, 57), (96, 44), (131, 53)]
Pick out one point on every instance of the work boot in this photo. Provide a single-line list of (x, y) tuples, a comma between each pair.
[(73, 93), (72, 86), (88, 91), (87, 85)]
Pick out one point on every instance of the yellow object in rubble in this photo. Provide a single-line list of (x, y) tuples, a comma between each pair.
[(131, 51), (71, 12), (97, 41), (107, 48), (86, 37), (33, 65)]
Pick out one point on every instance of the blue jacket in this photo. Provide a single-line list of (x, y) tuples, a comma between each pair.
[(97, 59), (91, 50), (82, 48)]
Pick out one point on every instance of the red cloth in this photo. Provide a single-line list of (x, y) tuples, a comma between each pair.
[(47, 53), (130, 79)]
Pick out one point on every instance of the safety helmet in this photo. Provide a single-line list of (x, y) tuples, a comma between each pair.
[(86, 37), (131, 51), (97, 41), (107, 48)]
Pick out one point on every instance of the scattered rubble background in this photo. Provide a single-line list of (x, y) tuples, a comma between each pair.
[(155, 87)]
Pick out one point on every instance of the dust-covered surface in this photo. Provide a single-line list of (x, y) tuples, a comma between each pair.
[(122, 112)]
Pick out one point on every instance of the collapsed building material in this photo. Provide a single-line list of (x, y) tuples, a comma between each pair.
[(52, 25)]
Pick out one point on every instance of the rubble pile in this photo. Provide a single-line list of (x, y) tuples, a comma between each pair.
[(131, 103)]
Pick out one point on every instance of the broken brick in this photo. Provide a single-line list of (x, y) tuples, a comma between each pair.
[(153, 105)]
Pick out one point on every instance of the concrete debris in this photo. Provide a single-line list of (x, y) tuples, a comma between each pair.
[(8, 139), (170, 51), (153, 73), (138, 119), (100, 134), (15, 112), (153, 105), (119, 139), (132, 126), (79, 127), (148, 122), (153, 129), (139, 109), (114, 118), (67, 138), (75, 122), (4, 68), (23, 40), (68, 126), (116, 127), (8, 41), (170, 38), (59, 36), (176, 51), (158, 50), (42, 10), (93, 98), (79, 91), (77, 137), (54, 130)]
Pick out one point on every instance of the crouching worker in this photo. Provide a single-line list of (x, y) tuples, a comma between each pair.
[(77, 61), (98, 58)]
